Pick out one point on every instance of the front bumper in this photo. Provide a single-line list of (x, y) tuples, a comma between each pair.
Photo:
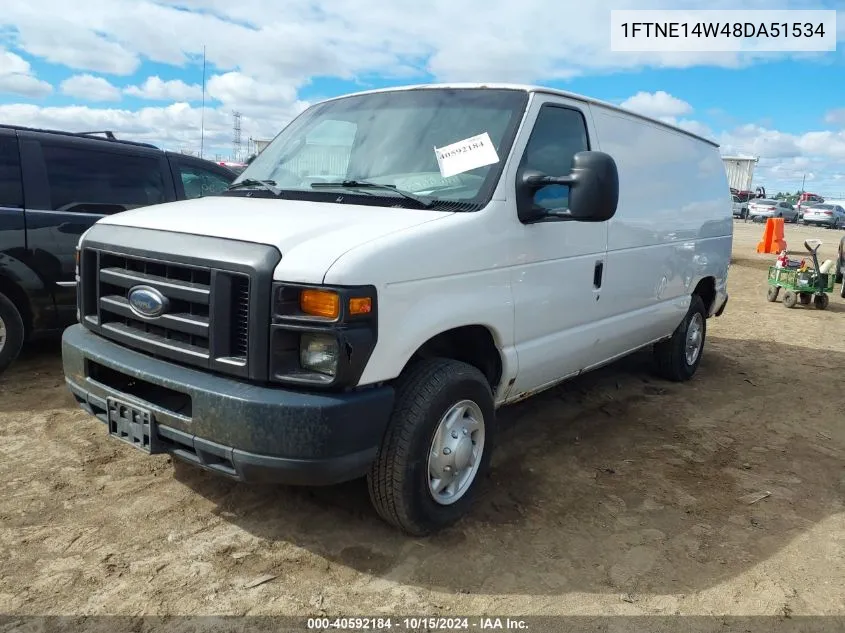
[(821, 221), (243, 431)]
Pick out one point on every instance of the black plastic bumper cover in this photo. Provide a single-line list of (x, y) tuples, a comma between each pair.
[(244, 431)]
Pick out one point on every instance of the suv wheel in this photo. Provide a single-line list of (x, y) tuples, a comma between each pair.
[(11, 332), (677, 358), (436, 448)]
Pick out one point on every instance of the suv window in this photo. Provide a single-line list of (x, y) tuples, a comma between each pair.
[(11, 191), (200, 182), (93, 181), (559, 133)]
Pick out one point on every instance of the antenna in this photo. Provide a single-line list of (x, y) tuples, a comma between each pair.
[(202, 115), (236, 137)]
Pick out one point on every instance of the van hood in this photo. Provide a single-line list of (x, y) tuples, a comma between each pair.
[(311, 236)]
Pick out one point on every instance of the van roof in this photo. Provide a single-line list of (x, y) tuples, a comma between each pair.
[(535, 89)]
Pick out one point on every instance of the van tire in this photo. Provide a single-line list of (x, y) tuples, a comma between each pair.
[(670, 358), (398, 480), (11, 332)]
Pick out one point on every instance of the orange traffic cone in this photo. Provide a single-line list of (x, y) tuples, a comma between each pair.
[(772, 241)]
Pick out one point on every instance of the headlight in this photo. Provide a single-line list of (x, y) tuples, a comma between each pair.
[(319, 353), (321, 336)]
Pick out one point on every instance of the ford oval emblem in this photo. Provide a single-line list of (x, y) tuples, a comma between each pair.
[(147, 302)]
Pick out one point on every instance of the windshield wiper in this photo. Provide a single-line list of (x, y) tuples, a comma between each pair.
[(269, 185), (365, 184)]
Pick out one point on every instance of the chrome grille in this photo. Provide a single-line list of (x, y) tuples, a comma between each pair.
[(207, 319), (186, 324)]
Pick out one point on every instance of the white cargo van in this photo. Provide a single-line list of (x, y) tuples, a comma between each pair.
[(390, 270)]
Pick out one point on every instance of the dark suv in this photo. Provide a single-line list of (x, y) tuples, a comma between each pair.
[(53, 186)]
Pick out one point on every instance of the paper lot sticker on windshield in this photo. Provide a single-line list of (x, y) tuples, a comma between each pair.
[(472, 153)]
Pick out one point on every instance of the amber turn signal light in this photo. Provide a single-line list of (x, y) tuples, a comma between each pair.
[(321, 303), (360, 305)]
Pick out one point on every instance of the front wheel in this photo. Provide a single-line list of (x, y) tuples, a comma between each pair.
[(772, 293), (677, 358), (436, 448)]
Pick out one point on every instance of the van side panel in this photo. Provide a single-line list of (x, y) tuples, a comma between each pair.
[(672, 228), (436, 277)]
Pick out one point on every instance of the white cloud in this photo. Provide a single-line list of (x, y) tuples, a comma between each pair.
[(89, 88), (156, 89), (261, 52), (241, 92), (835, 117), (787, 159), (175, 127), (657, 104), (61, 39), (16, 77), (290, 40), (759, 141)]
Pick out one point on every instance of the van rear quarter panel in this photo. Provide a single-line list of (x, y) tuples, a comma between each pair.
[(673, 226)]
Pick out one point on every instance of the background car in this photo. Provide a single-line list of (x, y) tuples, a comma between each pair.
[(740, 208), (830, 215), (763, 208)]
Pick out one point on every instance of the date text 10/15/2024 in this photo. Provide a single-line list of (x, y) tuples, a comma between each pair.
[(414, 623)]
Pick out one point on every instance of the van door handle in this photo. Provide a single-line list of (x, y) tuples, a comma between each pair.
[(597, 274)]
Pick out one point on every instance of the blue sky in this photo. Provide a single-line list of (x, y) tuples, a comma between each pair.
[(134, 66)]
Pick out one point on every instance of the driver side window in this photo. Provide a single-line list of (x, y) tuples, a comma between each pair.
[(559, 133)]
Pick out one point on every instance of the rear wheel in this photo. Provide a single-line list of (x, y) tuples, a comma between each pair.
[(11, 332), (772, 293), (821, 301), (436, 448), (677, 358)]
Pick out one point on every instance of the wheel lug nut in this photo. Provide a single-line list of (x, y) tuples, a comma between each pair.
[(466, 432), (447, 451), (447, 469), (454, 435)]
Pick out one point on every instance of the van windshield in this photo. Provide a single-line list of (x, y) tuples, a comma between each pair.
[(389, 138)]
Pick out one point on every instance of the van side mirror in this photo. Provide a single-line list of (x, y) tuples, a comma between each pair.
[(589, 193)]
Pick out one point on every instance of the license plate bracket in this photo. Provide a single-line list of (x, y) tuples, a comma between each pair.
[(133, 424)]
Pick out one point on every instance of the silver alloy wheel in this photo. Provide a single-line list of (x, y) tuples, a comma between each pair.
[(456, 451), (694, 338), (2, 334)]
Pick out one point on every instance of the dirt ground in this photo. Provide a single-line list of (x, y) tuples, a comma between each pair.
[(614, 494)]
